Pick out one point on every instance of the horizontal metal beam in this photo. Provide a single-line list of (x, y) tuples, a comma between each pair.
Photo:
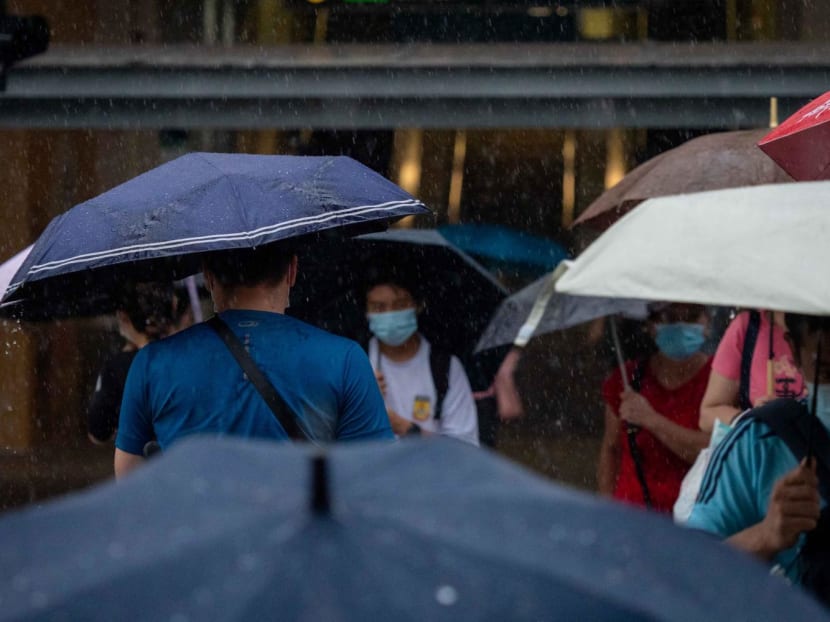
[(416, 86), (389, 113)]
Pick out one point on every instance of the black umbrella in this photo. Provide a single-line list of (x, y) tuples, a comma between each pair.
[(226, 529), (460, 294)]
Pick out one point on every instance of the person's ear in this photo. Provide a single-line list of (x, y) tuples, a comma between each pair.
[(292, 271)]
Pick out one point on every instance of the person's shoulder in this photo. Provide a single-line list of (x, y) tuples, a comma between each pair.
[(752, 430), (739, 324), (175, 343), (329, 343)]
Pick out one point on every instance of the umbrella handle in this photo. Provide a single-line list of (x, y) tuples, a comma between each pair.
[(618, 352)]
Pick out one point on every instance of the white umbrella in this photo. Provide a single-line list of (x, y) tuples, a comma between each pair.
[(763, 247), (9, 267)]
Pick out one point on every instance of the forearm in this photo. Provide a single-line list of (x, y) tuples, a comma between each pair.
[(125, 462), (708, 414), (753, 540), (683, 442)]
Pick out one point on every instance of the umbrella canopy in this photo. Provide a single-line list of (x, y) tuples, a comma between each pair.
[(154, 226), (226, 529), (799, 144), (10, 267), (502, 248), (710, 162), (513, 320), (459, 294), (762, 247)]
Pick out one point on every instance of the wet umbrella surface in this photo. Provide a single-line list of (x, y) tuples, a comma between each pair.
[(154, 226), (710, 162), (423, 530)]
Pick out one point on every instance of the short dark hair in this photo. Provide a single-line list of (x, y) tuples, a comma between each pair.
[(395, 278), (150, 307), (248, 267)]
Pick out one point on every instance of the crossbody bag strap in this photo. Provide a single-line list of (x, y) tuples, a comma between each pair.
[(747, 353), (258, 379)]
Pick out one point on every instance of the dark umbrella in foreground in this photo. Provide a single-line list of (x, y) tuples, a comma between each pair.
[(460, 294), (423, 530), (710, 162), (155, 226)]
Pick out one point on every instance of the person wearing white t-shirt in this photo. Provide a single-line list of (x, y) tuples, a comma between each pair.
[(400, 356)]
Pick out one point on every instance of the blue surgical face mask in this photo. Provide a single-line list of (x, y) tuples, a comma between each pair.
[(393, 327), (822, 402), (680, 340)]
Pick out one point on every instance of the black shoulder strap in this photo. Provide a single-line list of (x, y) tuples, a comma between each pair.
[(750, 339), (792, 423), (439, 366), (258, 379)]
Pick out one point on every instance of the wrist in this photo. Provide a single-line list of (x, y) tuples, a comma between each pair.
[(413, 430)]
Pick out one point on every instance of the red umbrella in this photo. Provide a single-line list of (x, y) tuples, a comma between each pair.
[(710, 162), (799, 144)]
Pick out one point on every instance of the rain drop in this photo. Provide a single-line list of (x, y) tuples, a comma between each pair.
[(446, 595)]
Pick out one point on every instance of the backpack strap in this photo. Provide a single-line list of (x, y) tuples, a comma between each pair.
[(792, 423), (439, 366), (750, 339), (278, 407)]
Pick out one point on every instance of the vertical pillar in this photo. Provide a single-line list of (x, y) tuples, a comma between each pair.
[(17, 347), (407, 154)]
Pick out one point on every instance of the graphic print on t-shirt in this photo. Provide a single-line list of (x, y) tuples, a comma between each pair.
[(421, 408), (788, 380)]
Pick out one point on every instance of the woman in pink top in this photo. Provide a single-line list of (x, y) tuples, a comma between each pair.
[(721, 398)]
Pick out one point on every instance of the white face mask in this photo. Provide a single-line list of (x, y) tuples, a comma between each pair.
[(822, 402)]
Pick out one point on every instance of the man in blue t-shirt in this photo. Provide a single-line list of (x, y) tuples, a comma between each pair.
[(755, 493), (190, 383)]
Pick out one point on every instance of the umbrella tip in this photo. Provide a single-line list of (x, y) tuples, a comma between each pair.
[(320, 499)]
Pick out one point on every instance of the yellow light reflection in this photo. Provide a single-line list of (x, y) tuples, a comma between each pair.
[(459, 155), (568, 177)]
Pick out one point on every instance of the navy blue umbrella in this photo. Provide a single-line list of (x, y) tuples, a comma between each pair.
[(226, 529), (156, 225)]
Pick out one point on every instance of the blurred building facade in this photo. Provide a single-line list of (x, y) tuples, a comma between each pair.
[(501, 111)]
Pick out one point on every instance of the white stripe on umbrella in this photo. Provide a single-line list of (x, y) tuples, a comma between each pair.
[(243, 235)]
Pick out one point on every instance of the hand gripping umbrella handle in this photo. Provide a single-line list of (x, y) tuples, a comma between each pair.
[(630, 430)]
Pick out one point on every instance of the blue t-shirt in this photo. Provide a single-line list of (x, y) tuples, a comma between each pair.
[(190, 383), (737, 485)]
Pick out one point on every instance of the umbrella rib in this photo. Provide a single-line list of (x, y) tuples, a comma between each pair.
[(242, 235)]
